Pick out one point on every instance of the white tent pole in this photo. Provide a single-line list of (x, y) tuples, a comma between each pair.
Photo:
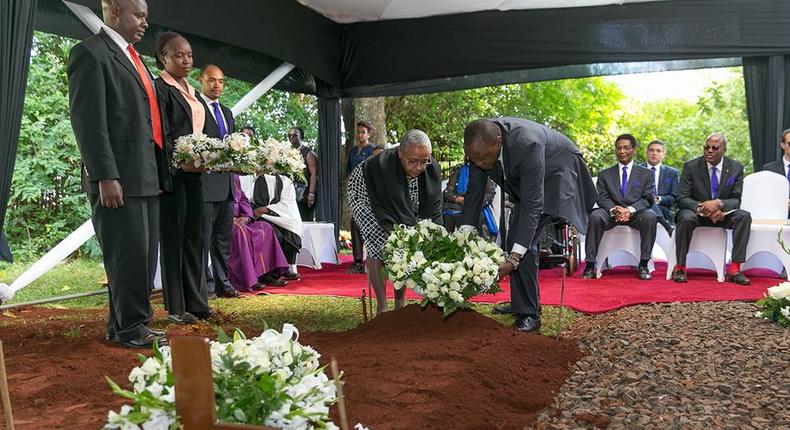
[(259, 90), (86, 15)]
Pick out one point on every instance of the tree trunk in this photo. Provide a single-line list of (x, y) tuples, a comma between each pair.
[(372, 109)]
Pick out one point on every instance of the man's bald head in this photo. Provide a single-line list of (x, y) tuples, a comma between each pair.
[(482, 143), (212, 81), (127, 17)]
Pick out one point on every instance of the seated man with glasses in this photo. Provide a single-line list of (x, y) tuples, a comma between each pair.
[(710, 196)]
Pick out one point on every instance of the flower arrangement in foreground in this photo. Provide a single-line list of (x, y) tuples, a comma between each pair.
[(280, 157), (269, 380), (446, 269), (232, 154), (776, 305)]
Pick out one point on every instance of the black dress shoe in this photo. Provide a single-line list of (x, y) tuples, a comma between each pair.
[(271, 281), (146, 341), (258, 287), (356, 269), (738, 278), (228, 294), (291, 276), (644, 273), (185, 318), (203, 315), (159, 333), (527, 323), (679, 276), (502, 309), (589, 272)]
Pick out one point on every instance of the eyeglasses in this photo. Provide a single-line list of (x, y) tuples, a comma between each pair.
[(711, 148), (415, 163)]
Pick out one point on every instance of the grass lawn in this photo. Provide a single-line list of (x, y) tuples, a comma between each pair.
[(310, 313)]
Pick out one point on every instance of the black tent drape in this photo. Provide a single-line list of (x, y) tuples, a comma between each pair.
[(768, 105), (329, 147), (16, 37)]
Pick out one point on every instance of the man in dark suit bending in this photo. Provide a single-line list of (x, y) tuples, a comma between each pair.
[(667, 183), (217, 191), (544, 174), (782, 166), (710, 196), (118, 127), (625, 195)]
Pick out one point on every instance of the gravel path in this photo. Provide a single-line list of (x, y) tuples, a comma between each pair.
[(677, 366)]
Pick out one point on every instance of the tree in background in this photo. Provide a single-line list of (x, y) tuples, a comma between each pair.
[(583, 109)]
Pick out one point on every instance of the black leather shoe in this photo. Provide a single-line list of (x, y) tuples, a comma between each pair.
[(356, 269), (679, 276), (527, 323), (738, 278), (185, 318), (291, 276), (644, 273), (159, 333), (502, 309), (228, 294), (203, 315), (589, 272), (146, 341), (274, 282)]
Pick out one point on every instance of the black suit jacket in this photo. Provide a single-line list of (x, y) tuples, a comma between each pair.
[(639, 192), (178, 119), (668, 184), (111, 119), (695, 184), (217, 186), (776, 166), (544, 174)]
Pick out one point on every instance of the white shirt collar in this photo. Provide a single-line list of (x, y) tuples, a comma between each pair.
[(657, 166), (629, 165), (117, 38), (207, 99), (718, 166), (786, 161)]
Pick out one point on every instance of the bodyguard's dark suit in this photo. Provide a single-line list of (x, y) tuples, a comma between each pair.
[(668, 184), (776, 166), (694, 189), (217, 211), (639, 195), (111, 119), (181, 217), (545, 176)]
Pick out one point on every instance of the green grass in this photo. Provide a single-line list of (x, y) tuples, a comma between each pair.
[(70, 277), (309, 313)]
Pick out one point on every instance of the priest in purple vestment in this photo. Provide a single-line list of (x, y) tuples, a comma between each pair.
[(255, 252)]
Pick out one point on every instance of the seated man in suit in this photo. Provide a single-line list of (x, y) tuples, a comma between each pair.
[(710, 195), (782, 166), (666, 180), (625, 194)]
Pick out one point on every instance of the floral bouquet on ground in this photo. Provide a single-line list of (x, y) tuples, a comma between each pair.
[(446, 269), (237, 155), (345, 239), (269, 380), (197, 149), (280, 157), (776, 305)]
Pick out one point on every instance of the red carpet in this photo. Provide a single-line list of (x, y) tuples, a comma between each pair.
[(617, 288)]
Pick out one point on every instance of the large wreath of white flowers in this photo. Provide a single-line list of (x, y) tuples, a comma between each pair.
[(234, 153), (280, 157), (446, 269), (269, 380)]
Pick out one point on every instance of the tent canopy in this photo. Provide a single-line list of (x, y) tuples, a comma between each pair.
[(389, 47)]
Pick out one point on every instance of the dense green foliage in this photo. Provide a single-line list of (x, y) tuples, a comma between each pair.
[(46, 202)]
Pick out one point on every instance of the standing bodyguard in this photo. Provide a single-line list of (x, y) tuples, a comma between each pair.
[(118, 127), (217, 188)]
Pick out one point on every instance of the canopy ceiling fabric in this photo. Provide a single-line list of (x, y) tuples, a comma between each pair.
[(451, 50)]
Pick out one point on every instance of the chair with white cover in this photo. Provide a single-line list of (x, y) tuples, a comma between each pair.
[(620, 246), (765, 198), (707, 250)]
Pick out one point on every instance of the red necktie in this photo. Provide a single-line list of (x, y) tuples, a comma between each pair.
[(156, 121)]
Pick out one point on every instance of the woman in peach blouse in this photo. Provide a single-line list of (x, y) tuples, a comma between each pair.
[(181, 210)]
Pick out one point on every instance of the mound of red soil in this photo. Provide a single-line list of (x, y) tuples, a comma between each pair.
[(412, 369), (408, 369)]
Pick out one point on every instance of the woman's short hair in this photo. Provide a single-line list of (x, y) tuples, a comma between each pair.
[(415, 137), (160, 50)]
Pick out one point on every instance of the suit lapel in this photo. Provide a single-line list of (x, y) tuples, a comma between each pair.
[(231, 123), (211, 123), (703, 170), (182, 101), (121, 58), (726, 172)]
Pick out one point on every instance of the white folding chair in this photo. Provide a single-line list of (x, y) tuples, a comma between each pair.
[(620, 246), (663, 245), (765, 198), (707, 250)]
